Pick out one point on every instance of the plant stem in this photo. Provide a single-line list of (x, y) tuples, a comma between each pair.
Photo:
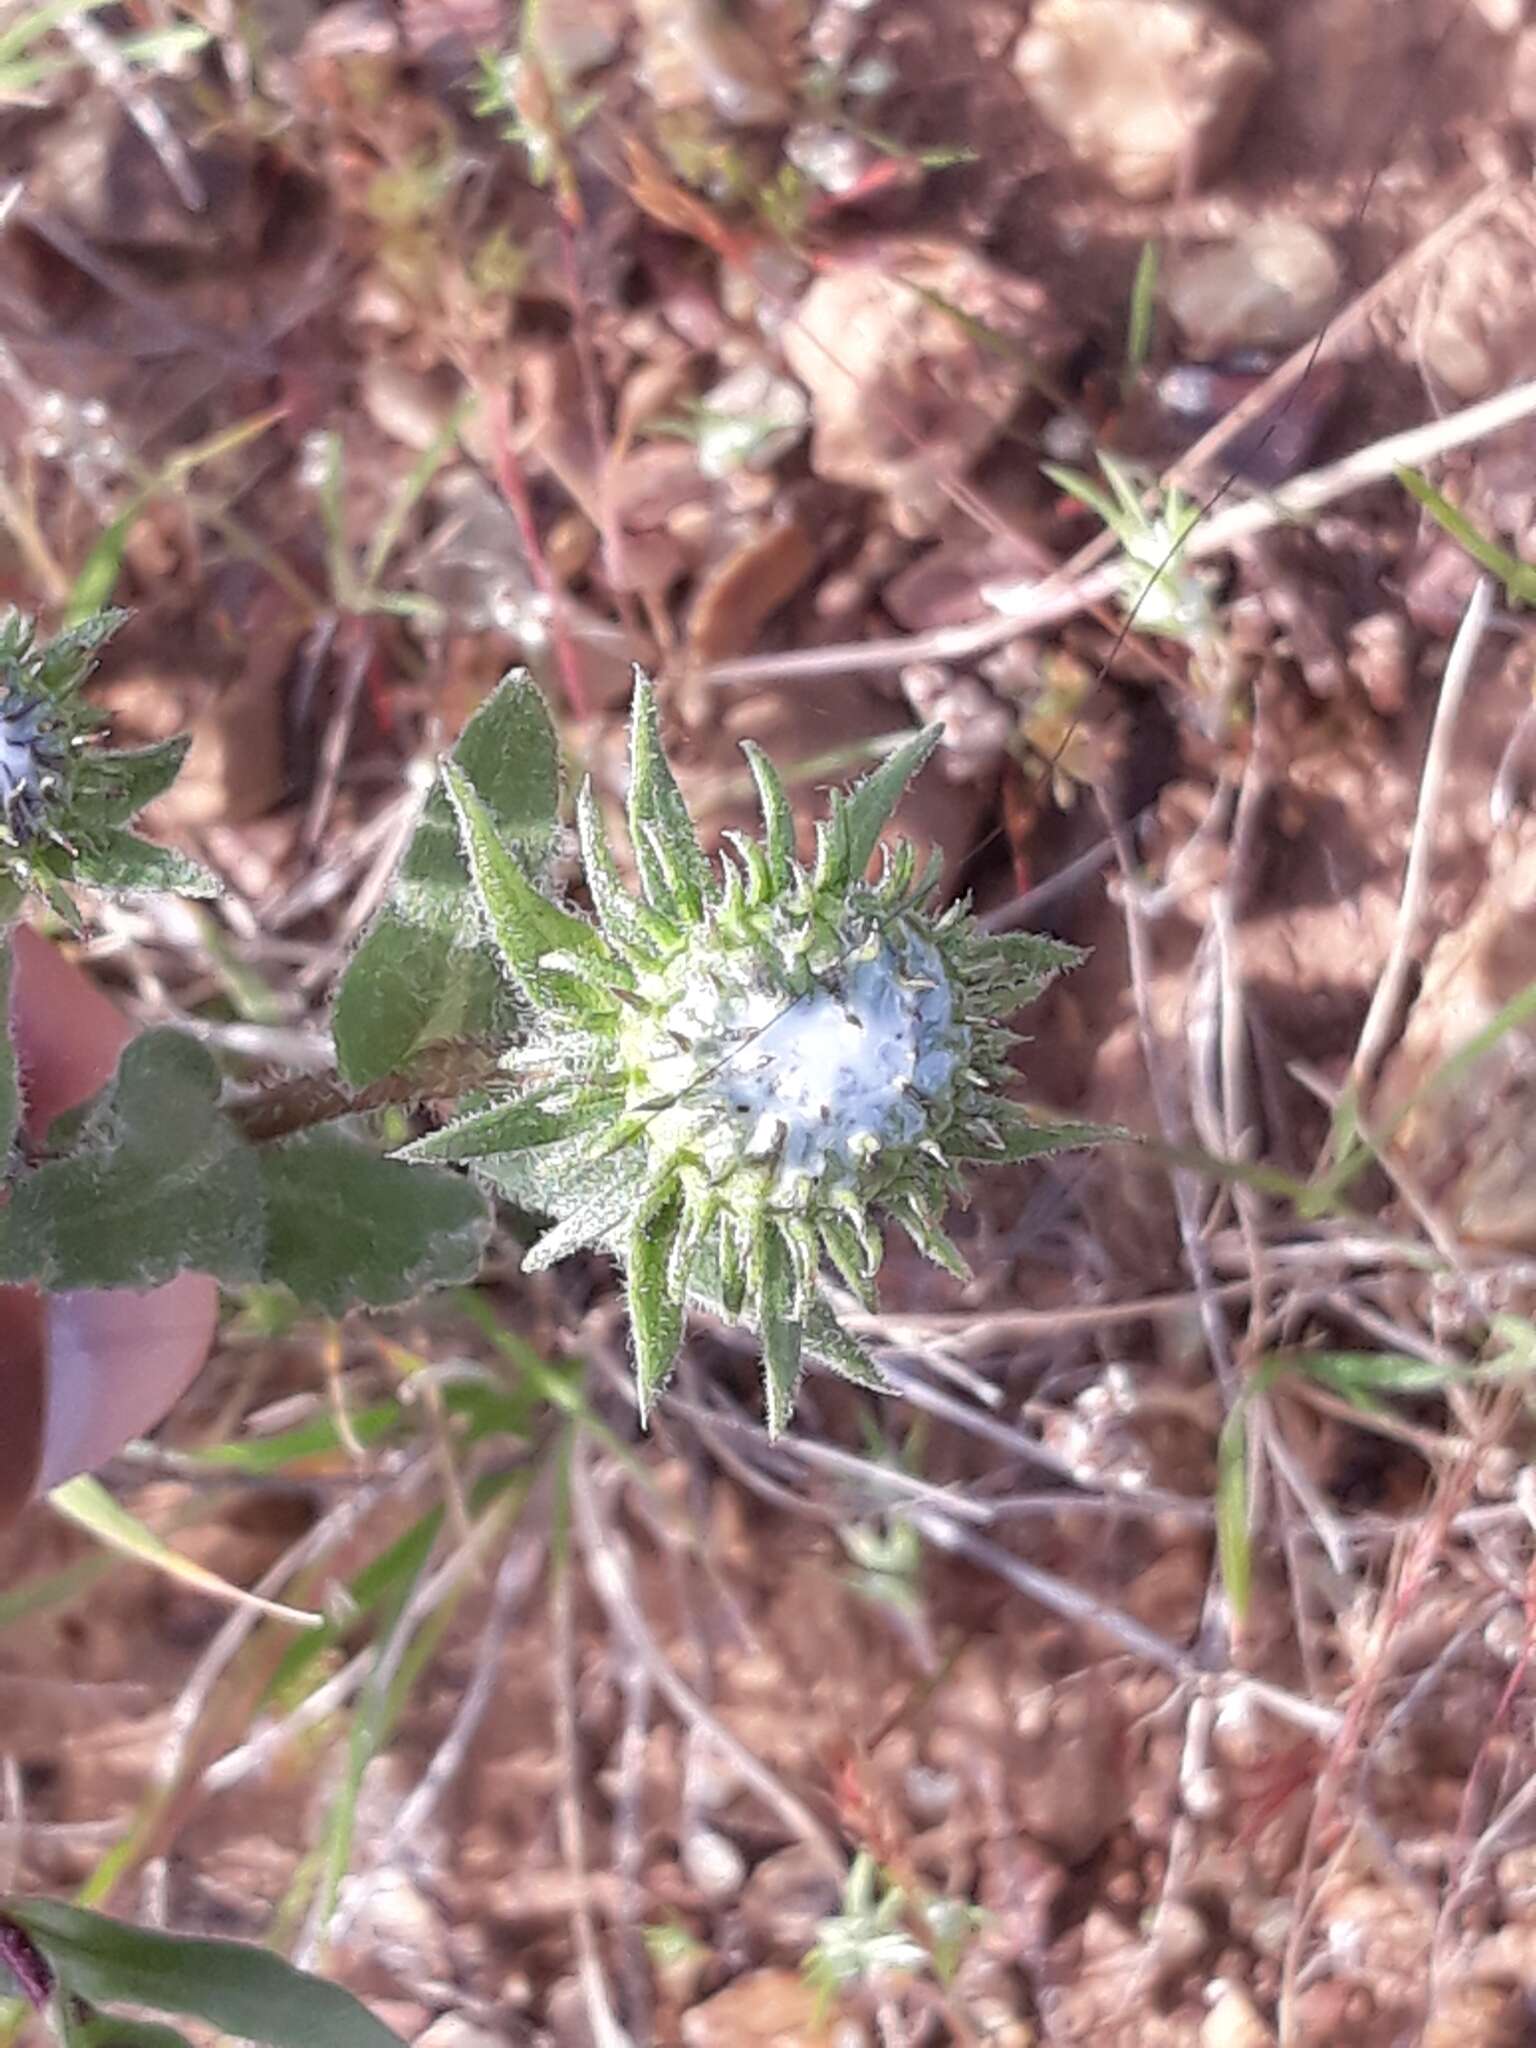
[(452, 1068)]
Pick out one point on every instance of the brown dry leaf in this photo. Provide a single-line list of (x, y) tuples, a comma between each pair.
[(234, 769), (768, 2009), (741, 593)]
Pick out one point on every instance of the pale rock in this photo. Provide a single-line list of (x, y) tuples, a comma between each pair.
[(699, 53), (1472, 2015), (905, 392), (410, 406), (1271, 286), (714, 1866), (1472, 332), (1522, 78), (1149, 92), (1233, 2022), (750, 420), (788, 1896), (576, 36), (450, 2031), (397, 1926)]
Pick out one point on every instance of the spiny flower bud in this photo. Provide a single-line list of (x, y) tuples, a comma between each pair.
[(735, 1078)]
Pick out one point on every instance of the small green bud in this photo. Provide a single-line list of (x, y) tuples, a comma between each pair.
[(65, 798)]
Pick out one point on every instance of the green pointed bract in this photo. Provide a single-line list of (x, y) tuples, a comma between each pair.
[(527, 928), (673, 871), (827, 1340), (1016, 1136), (734, 1083), (598, 1219), (853, 828), (616, 908), (541, 1118), (655, 1308), (780, 1328), (778, 818)]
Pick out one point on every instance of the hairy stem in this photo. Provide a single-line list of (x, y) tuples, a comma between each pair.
[(453, 1068)]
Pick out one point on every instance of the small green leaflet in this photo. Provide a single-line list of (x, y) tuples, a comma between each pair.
[(425, 969), (671, 864), (228, 1984), (782, 1333), (778, 818), (516, 1126)]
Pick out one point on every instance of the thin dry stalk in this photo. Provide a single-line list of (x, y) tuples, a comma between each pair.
[(1386, 1004), (97, 49), (517, 1577), (608, 1567), (596, 1997), (1030, 607)]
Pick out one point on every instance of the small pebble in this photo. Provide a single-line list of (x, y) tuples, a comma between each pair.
[(1149, 92), (1269, 287), (715, 1867), (1234, 2022)]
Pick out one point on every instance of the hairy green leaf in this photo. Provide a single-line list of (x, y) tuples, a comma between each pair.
[(671, 864), (118, 784), (117, 862), (242, 1989), (617, 911), (425, 969), (596, 1219), (1023, 963), (158, 1182), (827, 1341), (345, 1226)]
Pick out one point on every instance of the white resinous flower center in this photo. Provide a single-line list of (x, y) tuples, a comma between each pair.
[(823, 1081)]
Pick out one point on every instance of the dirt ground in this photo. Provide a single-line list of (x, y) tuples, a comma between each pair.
[(1175, 1612)]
